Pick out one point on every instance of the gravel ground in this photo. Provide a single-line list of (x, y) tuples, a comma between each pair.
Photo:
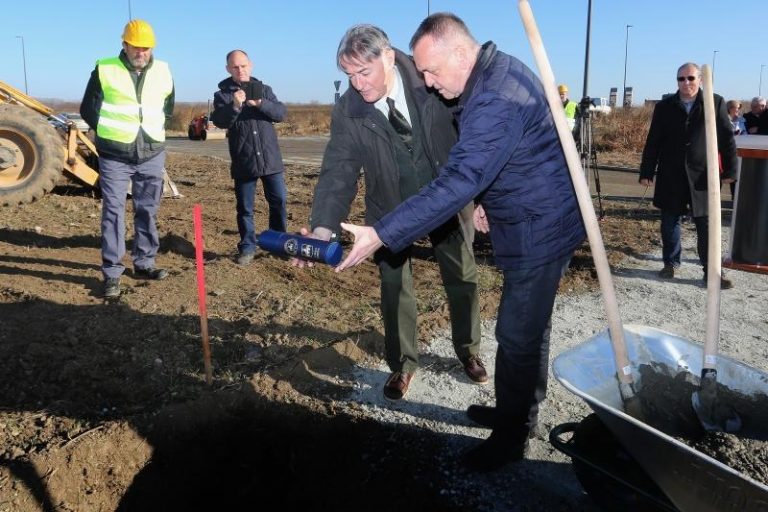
[(545, 481)]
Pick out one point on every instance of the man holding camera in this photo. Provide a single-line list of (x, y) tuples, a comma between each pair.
[(247, 109)]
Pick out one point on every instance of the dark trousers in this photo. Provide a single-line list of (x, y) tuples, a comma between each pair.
[(398, 301), (671, 248), (522, 358), (146, 185), (275, 194)]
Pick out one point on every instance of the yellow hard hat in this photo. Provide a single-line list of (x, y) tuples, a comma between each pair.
[(562, 88), (139, 33)]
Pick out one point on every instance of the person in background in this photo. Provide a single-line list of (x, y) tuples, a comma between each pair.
[(737, 123), (762, 122), (752, 118), (734, 114), (390, 125), (675, 157), (253, 149), (509, 160), (128, 101), (570, 106)]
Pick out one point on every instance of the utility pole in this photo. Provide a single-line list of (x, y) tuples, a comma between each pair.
[(24, 60), (130, 17), (760, 87), (624, 87), (586, 51), (714, 56)]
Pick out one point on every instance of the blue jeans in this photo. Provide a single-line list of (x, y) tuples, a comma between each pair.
[(275, 194), (522, 359), (671, 249)]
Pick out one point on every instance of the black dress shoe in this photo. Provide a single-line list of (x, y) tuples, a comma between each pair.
[(153, 273), (493, 454), (483, 415)]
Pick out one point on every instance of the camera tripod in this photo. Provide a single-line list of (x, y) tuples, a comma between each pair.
[(587, 151)]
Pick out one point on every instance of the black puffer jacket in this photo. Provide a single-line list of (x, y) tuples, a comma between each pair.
[(252, 138), (676, 152)]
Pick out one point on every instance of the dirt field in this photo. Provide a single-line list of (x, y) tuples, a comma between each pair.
[(105, 406)]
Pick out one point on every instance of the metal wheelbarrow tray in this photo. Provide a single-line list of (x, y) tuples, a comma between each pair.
[(690, 479)]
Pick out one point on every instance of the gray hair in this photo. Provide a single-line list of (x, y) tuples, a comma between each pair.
[(362, 42), (757, 100), (440, 25), (691, 64)]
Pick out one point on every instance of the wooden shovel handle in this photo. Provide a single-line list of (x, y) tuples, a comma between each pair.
[(714, 267), (623, 368)]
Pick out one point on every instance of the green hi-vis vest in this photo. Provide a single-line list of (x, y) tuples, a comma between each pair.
[(122, 112), (570, 109)]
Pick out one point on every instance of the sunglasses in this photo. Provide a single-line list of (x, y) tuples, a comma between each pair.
[(684, 78)]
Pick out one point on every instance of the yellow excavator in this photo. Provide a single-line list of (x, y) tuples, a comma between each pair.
[(38, 147)]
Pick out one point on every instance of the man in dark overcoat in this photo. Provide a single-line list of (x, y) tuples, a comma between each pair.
[(675, 158)]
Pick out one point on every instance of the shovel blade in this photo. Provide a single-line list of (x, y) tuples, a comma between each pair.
[(714, 414)]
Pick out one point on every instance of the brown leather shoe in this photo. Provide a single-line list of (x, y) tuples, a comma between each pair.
[(397, 385), (475, 369)]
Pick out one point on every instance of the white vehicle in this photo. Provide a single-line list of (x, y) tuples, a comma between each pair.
[(599, 105)]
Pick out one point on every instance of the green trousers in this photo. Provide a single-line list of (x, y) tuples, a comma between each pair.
[(398, 301)]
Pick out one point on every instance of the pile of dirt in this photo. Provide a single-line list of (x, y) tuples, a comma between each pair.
[(666, 405), (105, 406)]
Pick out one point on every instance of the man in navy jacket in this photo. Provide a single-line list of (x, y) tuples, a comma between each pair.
[(253, 148), (509, 160)]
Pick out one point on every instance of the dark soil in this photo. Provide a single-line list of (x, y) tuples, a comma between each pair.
[(666, 402), (105, 407)]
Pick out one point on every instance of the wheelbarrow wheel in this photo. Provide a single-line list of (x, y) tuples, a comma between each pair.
[(611, 477)]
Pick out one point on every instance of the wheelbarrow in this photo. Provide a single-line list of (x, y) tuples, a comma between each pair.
[(689, 480)]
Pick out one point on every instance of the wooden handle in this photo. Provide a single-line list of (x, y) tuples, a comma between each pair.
[(623, 368), (714, 266)]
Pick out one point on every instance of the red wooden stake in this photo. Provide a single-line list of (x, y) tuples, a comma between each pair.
[(198, 222)]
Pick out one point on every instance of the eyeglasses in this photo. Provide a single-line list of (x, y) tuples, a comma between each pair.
[(684, 78)]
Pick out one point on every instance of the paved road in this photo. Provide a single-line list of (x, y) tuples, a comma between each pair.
[(296, 150), (309, 151)]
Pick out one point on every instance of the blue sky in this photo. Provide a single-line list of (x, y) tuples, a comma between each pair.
[(293, 42)]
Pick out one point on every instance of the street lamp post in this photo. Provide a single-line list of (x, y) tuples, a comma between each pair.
[(130, 17), (760, 87), (714, 56), (624, 87), (24, 60)]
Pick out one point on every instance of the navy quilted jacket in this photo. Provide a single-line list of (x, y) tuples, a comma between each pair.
[(253, 145), (509, 159)]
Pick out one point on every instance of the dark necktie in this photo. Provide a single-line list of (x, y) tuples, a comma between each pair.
[(398, 122)]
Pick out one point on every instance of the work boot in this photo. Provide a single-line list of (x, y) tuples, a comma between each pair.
[(245, 258), (725, 284), (111, 288), (668, 272), (156, 274)]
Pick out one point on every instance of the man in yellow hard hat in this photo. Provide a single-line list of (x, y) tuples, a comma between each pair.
[(128, 101), (571, 107)]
